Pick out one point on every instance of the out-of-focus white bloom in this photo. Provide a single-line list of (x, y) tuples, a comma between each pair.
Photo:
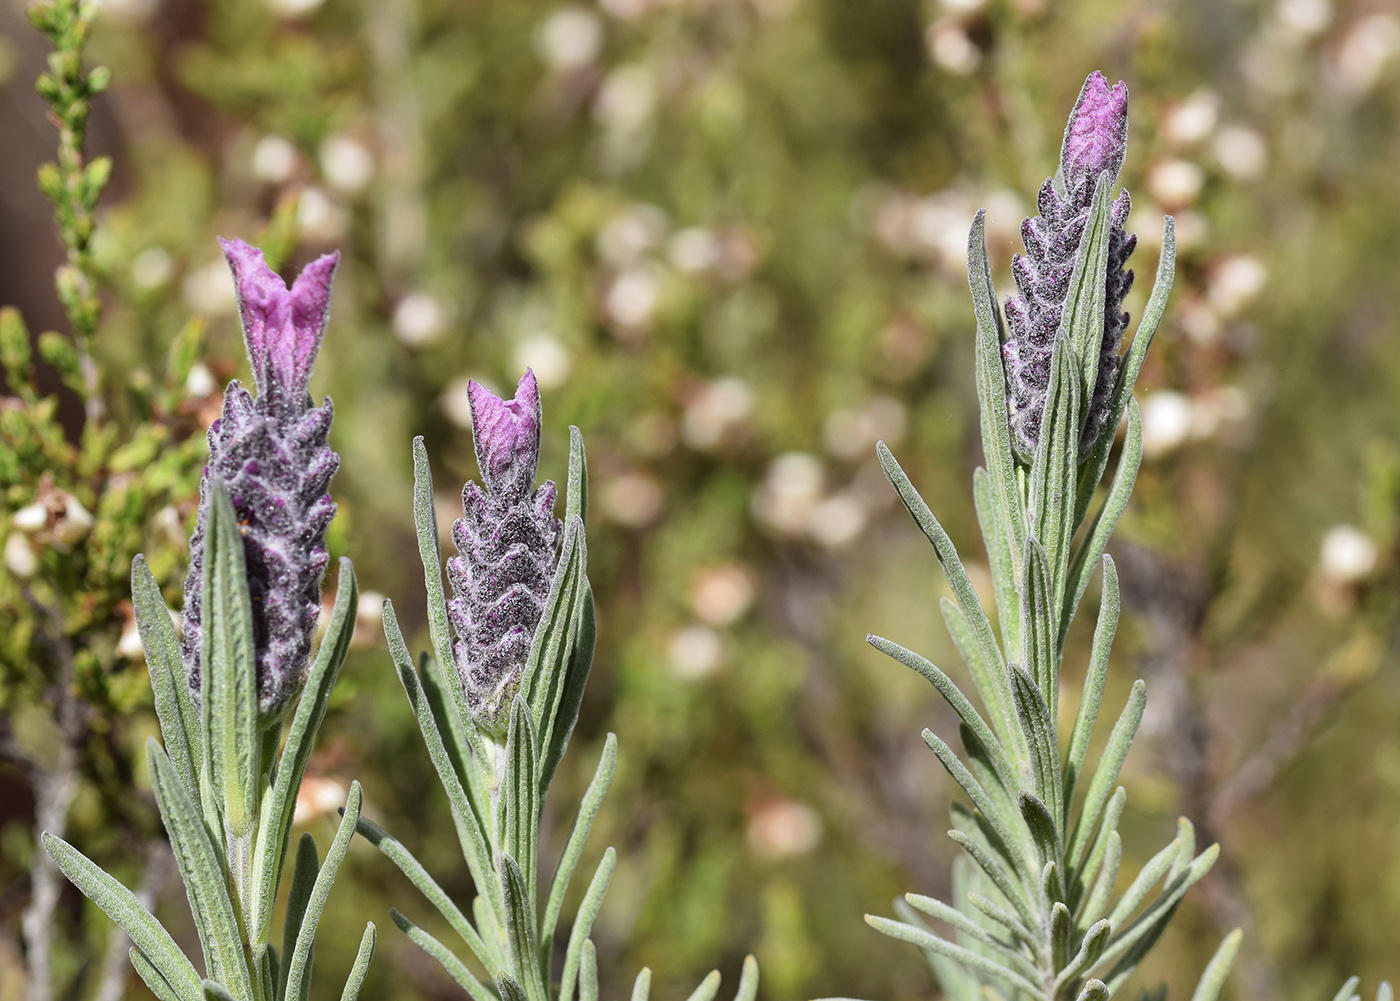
[(1175, 183), (632, 233), (1192, 120), (293, 8), (1304, 17), (632, 297), (626, 99), (632, 500), (369, 619), (420, 319), (940, 225), (200, 382), (129, 643), (152, 268), (695, 652), (694, 250), (1005, 210), (837, 520), (781, 828), (319, 217), (570, 39), (1234, 282), (852, 433), (1199, 321), (447, 508), (1170, 419), (1241, 152), (627, 10), (1368, 48), (274, 159), (209, 289), (719, 406), (20, 558), (950, 47), (962, 6), (318, 797), (546, 357), (721, 595), (456, 402), (54, 518), (1166, 422), (1348, 555), (790, 492), (346, 164)]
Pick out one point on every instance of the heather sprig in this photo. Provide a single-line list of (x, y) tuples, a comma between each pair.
[(227, 777), (496, 703), (1037, 913)]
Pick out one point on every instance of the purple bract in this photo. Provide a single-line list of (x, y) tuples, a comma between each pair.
[(270, 453)]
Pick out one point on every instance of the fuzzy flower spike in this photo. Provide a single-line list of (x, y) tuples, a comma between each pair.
[(507, 543), (1095, 144), (270, 453)]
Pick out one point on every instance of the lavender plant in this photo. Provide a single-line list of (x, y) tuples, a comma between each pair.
[(1036, 911), (497, 702), (225, 780)]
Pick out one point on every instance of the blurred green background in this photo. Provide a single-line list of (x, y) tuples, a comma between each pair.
[(729, 237)]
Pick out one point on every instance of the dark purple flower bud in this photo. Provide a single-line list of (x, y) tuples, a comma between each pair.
[(271, 455), (507, 543), (1096, 141)]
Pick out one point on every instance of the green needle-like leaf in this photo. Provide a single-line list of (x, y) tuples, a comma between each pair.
[(1213, 977), (356, 979), (179, 720), (299, 960), (454, 967), (707, 989), (583, 923), (973, 961), (1106, 775)]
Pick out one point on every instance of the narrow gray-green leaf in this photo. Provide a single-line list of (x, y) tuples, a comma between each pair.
[(519, 808), (1092, 697), (453, 966), (430, 554), (179, 720), (1039, 652), (152, 977), (1092, 470), (641, 987), (573, 848), (933, 943), (1106, 775), (1089, 952), (356, 979), (215, 991), (1213, 976), (521, 938), (121, 905), (1081, 323), (270, 848), (972, 787), (1051, 503), (951, 915), (1093, 990), (583, 923), (707, 989), (1106, 520), (304, 871), (397, 853), (960, 703), (1005, 575), (999, 877), (588, 972), (1105, 880), (299, 961), (986, 664), (206, 883), (471, 830), (748, 981), (991, 394), (1034, 718)]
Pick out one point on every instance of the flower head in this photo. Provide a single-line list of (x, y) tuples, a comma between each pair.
[(270, 453), (1096, 136), (1095, 144), (507, 544)]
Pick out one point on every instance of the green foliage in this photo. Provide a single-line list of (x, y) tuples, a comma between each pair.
[(497, 784), (225, 783), (1038, 919)]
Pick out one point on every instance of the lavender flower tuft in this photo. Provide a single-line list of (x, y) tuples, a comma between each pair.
[(1095, 143), (270, 453), (507, 544)]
